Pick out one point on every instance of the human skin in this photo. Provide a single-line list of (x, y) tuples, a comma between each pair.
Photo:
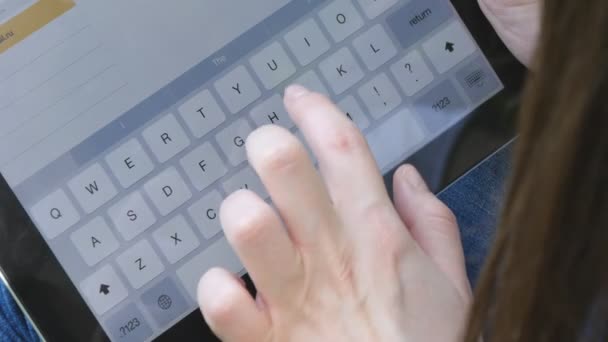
[(517, 22), (335, 259)]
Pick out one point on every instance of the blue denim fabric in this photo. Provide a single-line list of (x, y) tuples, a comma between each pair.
[(13, 324), (475, 199)]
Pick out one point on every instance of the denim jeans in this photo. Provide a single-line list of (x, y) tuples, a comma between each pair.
[(475, 199), (13, 325)]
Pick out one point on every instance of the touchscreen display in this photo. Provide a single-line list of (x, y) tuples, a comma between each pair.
[(123, 123)]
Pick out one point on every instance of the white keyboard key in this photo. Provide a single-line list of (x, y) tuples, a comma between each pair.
[(375, 47), (103, 290), (95, 241), (232, 141), (203, 166), (92, 188), (341, 70), (272, 65), (140, 264), (353, 111), (129, 163), (238, 89), (219, 254), (55, 214), (307, 42), (412, 73), (202, 113), (312, 82), (245, 179), (168, 191), (132, 216), (176, 239), (272, 111), (374, 8), (166, 138), (391, 142), (449, 47), (380, 96), (205, 214), (341, 19)]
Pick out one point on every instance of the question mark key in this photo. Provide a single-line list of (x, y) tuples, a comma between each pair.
[(412, 73)]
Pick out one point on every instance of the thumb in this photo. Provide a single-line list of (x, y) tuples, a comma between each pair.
[(432, 224)]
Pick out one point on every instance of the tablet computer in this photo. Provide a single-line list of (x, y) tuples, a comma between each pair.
[(122, 126)]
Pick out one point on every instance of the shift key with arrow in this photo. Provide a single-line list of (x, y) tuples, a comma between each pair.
[(449, 47), (103, 289)]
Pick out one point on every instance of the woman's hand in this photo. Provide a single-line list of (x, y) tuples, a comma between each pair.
[(336, 261), (517, 23)]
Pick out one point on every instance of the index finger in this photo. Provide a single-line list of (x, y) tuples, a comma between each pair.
[(345, 160)]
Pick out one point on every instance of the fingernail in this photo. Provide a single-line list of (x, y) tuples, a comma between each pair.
[(294, 92), (409, 176)]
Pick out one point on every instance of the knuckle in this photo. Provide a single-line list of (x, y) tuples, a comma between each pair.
[(346, 271), (346, 140), (379, 214), (386, 227), (282, 156), (221, 308), (441, 214), (251, 227)]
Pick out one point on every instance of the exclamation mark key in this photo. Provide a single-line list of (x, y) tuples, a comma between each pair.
[(380, 96)]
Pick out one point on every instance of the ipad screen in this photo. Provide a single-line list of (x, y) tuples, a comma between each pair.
[(123, 123)]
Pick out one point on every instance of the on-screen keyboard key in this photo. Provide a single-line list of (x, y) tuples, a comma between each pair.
[(168, 191), (380, 96), (202, 113), (140, 264), (375, 47), (54, 214), (132, 216), (203, 166), (92, 188), (395, 138), (166, 138), (232, 141), (307, 42), (341, 19), (205, 214)]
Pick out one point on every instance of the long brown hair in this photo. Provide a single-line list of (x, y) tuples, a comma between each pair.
[(547, 277)]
